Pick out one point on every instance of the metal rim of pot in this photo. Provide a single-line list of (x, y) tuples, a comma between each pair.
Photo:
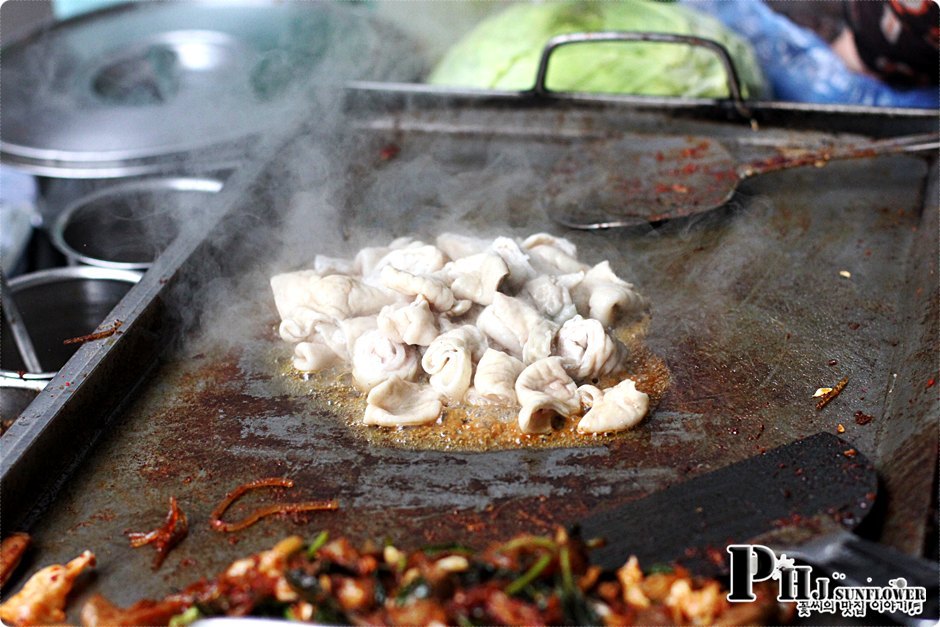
[(56, 275), (62, 221)]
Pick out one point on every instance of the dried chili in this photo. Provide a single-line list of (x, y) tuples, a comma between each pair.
[(216, 522), (164, 537), (831, 394), (99, 335)]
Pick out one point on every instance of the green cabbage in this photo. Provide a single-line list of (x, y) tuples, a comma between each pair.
[(502, 52)]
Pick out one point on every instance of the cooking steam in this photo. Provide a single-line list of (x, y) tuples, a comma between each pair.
[(336, 176)]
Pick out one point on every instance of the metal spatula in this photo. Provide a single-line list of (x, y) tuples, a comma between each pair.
[(643, 178), (819, 487)]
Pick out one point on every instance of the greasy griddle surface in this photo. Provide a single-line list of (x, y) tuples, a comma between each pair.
[(749, 312), (466, 427)]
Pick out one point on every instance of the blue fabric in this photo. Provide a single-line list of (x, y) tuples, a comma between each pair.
[(800, 66)]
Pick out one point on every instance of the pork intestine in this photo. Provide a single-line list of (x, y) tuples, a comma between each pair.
[(518, 328), (588, 351), (413, 323), (433, 289), (495, 378), (396, 402), (449, 361), (615, 409), (545, 390), (606, 297), (513, 322), (376, 358)]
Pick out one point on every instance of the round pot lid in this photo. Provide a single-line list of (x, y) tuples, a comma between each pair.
[(116, 91)]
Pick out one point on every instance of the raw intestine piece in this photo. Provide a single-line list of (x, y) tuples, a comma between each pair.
[(333, 336), (545, 390), (434, 290), (376, 358), (520, 270), (619, 408), (518, 328), (340, 297), (367, 259), (587, 350), (495, 378), (409, 324), (477, 277), (354, 328), (396, 402), (539, 343), (457, 246), (314, 355), (552, 255), (293, 290), (449, 361), (547, 239), (301, 324), (605, 296), (551, 296), (415, 258), (589, 395)]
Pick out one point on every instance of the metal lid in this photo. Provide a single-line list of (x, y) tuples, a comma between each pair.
[(123, 90), (57, 304)]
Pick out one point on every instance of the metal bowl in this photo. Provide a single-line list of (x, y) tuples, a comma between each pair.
[(126, 226), (16, 395), (57, 305)]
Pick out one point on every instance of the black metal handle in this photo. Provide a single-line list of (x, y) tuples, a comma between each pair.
[(731, 74)]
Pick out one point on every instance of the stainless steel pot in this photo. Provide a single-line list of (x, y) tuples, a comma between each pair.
[(57, 305), (126, 226), (16, 395)]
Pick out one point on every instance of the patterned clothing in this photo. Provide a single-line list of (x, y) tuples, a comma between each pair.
[(898, 40)]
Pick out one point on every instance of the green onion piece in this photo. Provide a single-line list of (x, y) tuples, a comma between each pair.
[(463, 621), (317, 543), (564, 559), (660, 569), (528, 541), (289, 615), (188, 617), (457, 549), (418, 588), (575, 607), (530, 575)]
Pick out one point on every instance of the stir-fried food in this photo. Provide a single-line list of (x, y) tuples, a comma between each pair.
[(11, 552), (517, 323), (42, 598), (532, 580)]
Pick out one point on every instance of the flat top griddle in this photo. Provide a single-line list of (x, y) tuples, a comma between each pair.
[(749, 311)]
